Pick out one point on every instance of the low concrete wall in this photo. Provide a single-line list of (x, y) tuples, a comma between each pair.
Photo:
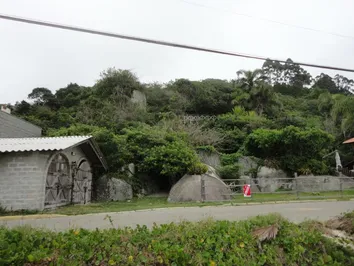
[(322, 183)]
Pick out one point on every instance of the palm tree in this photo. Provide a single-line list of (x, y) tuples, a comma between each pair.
[(263, 99), (343, 114), (248, 79)]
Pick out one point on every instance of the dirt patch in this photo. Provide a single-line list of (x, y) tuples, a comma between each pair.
[(343, 223)]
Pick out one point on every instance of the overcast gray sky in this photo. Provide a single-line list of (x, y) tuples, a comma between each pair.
[(33, 56)]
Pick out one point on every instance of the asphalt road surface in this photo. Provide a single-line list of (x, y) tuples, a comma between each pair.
[(296, 212)]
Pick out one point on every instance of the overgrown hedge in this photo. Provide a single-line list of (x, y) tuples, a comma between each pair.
[(204, 243)]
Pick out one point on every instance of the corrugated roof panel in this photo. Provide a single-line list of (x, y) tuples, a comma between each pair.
[(40, 144)]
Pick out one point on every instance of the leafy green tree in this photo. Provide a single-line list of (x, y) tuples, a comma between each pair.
[(22, 108), (164, 99), (165, 155), (288, 73), (111, 145), (260, 113), (117, 85), (43, 96), (72, 95), (172, 160), (295, 75), (344, 84), (325, 82), (295, 149), (273, 71), (210, 96)]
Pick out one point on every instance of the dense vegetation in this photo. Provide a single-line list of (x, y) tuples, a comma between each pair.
[(264, 240), (278, 113)]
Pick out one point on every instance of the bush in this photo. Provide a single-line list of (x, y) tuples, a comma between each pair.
[(197, 169), (229, 171), (170, 160), (161, 154), (292, 147), (203, 243), (227, 159), (229, 168)]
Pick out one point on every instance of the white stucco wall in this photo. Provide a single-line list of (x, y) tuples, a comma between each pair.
[(23, 177)]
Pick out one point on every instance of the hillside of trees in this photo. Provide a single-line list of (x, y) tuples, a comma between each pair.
[(278, 113)]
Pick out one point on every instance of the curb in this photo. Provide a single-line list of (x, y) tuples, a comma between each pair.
[(230, 204), (28, 217)]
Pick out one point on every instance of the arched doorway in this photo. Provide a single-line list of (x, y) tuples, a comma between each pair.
[(58, 182), (82, 183)]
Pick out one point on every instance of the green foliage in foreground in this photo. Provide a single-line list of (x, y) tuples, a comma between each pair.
[(204, 243)]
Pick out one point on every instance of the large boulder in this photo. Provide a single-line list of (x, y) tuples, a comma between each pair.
[(246, 165), (210, 158), (139, 98), (266, 180), (189, 188), (113, 189)]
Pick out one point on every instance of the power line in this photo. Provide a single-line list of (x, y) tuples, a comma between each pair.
[(159, 42), (268, 20)]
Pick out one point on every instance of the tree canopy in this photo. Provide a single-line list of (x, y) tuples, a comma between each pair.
[(278, 113)]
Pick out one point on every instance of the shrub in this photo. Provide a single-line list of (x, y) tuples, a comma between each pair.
[(227, 159), (197, 169), (229, 171), (204, 243), (229, 168), (292, 147)]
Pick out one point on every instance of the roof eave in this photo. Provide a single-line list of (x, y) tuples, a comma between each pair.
[(95, 148)]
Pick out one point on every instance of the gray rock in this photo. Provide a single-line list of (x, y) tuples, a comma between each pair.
[(246, 164), (266, 180), (139, 97), (189, 188), (113, 189), (210, 158)]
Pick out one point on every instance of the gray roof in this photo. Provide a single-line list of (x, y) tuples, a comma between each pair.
[(40, 144), (48, 144)]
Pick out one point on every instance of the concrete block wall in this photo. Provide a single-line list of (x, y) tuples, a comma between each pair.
[(14, 127), (22, 180)]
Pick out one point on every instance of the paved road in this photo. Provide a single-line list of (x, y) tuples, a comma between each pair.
[(296, 212)]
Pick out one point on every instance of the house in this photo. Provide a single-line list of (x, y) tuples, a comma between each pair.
[(45, 172), (14, 127), (39, 173)]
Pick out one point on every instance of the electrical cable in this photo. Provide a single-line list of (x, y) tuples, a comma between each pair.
[(160, 42), (267, 20)]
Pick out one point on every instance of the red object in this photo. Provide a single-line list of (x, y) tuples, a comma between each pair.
[(247, 190)]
